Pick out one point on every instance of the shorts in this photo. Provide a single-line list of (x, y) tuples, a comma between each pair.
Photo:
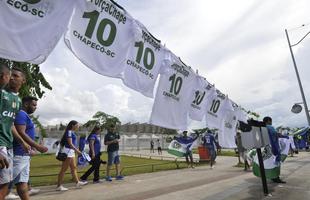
[(113, 158), (212, 153), (21, 169), (6, 174), (70, 152)]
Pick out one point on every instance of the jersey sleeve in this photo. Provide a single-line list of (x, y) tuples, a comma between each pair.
[(69, 134)]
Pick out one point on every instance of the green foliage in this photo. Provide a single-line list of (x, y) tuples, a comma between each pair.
[(168, 131), (102, 120)]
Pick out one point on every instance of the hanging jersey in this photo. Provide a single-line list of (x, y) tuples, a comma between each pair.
[(228, 130), (203, 93), (217, 107), (143, 61), (99, 35), (10, 105), (241, 114), (174, 95), (30, 29)]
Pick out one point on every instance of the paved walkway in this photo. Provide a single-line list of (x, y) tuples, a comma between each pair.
[(222, 182)]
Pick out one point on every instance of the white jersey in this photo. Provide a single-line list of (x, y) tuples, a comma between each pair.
[(241, 114), (216, 109), (30, 29), (143, 61), (203, 93), (174, 95), (228, 129), (99, 35)]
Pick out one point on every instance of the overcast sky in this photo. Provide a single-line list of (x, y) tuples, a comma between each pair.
[(239, 45)]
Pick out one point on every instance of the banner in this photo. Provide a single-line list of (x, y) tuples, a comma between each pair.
[(272, 167)]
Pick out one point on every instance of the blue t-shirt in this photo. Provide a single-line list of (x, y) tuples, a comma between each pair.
[(97, 145), (209, 141), (22, 118), (70, 134)]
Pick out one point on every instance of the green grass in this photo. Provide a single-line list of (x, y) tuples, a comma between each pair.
[(42, 165)]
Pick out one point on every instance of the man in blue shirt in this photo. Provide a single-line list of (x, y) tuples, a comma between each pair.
[(209, 142), (112, 139), (274, 141), (21, 159)]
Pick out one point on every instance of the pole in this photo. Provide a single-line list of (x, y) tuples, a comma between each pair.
[(298, 78), (262, 170)]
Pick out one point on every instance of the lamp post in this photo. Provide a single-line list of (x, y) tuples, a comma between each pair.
[(297, 74)]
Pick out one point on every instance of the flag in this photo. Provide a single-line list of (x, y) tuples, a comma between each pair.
[(284, 144), (180, 146), (176, 148), (83, 159), (272, 167)]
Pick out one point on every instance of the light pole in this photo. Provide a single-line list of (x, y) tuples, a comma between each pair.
[(297, 74)]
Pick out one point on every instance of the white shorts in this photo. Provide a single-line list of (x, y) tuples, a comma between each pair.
[(69, 152), (6, 174), (21, 169)]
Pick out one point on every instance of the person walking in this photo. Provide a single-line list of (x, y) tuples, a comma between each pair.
[(112, 140), (159, 150), (10, 104), (94, 153), (152, 147), (209, 143), (21, 160), (68, 145)]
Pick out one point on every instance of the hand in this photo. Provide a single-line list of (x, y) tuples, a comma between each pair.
[(42, 149), (93, 157), (26, 147), (32, 152), (3, 162), (79, 152)]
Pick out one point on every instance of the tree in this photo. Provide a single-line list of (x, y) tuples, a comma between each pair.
[(167, 131), (102, 120), (35, 80)]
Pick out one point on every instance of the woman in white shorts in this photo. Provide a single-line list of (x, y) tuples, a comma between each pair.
[(68, 145)]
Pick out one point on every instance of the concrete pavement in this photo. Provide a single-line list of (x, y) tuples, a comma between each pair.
[(222, 182)]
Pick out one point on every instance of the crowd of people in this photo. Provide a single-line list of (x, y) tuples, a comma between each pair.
[(17, 142)]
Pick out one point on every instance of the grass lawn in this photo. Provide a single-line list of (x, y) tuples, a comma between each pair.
[(45, 168)]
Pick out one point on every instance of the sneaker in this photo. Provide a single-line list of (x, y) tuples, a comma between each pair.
[(81, 183), (11, 196), (108, 178), (278, 180), (99, 181), (212, 167), (119, 177), (61, 188), (33, 191)]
